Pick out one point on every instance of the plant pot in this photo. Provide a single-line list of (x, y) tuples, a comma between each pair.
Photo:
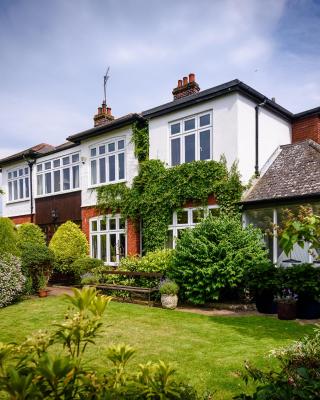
[(43, 292), (308, 308), (286, 310), (265, 303), (169, 301)]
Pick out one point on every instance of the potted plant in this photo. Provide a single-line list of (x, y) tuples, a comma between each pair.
[(169, 290), (287, 302), (42, 285)]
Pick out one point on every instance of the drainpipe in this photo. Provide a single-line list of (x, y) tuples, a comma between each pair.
[(30, 160), (257, 107)]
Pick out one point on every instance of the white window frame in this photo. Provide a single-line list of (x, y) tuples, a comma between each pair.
[(106, 155), (196, 131), (98, 233), (10, 181), (175, 227), (53, 169)]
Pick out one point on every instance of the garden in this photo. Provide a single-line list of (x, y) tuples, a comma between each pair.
[(202, 357)]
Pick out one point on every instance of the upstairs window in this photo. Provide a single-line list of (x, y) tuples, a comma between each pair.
[(108, 162), (18, 184), (58, 175), (191, 139)]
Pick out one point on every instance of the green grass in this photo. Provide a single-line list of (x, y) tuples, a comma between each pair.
[(208, 351)]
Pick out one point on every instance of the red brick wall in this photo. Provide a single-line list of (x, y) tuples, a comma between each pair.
[(21, 219), (306, 128), (192, 203)]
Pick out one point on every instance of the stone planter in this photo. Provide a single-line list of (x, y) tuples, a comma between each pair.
[(169, 301), (287, 310)]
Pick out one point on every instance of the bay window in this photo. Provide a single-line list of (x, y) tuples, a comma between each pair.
[(18, 184)]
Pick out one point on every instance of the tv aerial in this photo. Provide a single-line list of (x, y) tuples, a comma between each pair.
[(105, 80)]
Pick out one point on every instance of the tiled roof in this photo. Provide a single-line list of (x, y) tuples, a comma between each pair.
[(294, 172)]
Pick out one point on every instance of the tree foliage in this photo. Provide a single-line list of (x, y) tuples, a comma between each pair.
[(30, 233), (8, 237)]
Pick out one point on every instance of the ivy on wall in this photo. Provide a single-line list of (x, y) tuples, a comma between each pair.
[(140, 139), (157, 191)]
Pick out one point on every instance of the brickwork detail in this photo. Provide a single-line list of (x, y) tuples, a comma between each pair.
[(21, 219), (306, 128)]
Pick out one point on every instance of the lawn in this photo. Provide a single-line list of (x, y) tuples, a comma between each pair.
[(208, 351)]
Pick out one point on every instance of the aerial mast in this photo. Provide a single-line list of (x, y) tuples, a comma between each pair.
[(105, 80)]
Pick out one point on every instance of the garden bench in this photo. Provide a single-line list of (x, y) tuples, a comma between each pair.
[(132, 289)]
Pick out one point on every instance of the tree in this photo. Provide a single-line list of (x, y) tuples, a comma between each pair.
[(30, 233), (8, 237)]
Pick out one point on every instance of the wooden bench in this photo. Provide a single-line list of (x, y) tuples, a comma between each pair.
[(132, 289)]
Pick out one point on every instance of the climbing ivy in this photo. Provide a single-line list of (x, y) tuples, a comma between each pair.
[(157, 191), (140, 139)]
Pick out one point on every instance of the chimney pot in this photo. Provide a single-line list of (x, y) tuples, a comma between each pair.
[(185, 80), (108, 111), (179, 82), (192, 77), (104, 107), (99, 110)]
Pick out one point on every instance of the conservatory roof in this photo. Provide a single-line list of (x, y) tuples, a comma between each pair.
[(294, 173)]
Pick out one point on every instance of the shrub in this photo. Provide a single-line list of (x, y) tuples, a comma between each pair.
[(83, 265), (30, 233), (169, 287), (68, 244), (263, 277), (89, 279), (11, 279), (213, 257), (8, 237)]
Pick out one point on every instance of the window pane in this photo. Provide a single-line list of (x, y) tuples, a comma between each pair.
[(180, 232), (113, 247), (103, 224), (15, 190), (112, 224), (66, 179), (9, 175), (93, 172), (94, 226), (56, 163), (122, 223), (190, 124), (205, 120), (66, 160), (189, 150), (121, 165), (21, 189), (93, 152), (103, 247), (102, 149), (102, 170), (75, 158), (182, 217), (122, 245), (170, 239), (197, 216), (47, 165), (39, 184), (39, 167), (112, 168), (111, 147), (10, 191), (20, 172), (56, 181), (26, 171), (175, 128), (175, 151), (75, 177), (47, 182), (205, 145), (15, 174), (26, 182), (121, 144), (94, 250)]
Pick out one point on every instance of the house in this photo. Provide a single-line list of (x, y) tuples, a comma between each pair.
[(49, 185)]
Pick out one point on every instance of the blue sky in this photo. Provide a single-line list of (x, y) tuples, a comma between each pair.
[(53, 55)]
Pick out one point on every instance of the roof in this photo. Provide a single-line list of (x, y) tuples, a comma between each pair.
[(116, 123), (294, 174), (217, 91), (308, 113)]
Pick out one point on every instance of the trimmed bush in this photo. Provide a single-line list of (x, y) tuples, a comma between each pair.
[(213, 257), (68, 244), (84, 265), (30, 233), (8, 237), (169, 287), (11, 279)]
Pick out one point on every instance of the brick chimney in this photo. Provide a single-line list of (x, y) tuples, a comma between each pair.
[(186, 87), (306, 126), (103, 115)]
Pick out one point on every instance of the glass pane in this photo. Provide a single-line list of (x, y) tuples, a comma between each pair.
[(182, 217), (20, 172), (175, 152), (111, 147), (56, 181), (190, 124), (39, 184), (122, 245), (103, 247), (189, 150), (102, 149), (121, 144), (47, 165), (47, 182), (10, 191), (94, 250), (180, 232), (175, 128), (122, 223), (103, 224), (93, 172), (197, 215), (169, 244), (205, 145), (9, 175), (75, 176), (112, 168), (113, 247), (94, 226), (66, 160), (121, 165), (26, 171), (39, 167), (15, 174), (56, 163), (15, 190), (112, 224), (26, 182), (75, 158), (93, 152), (102, 170), (205, 120), (21, 194), (66, 179)]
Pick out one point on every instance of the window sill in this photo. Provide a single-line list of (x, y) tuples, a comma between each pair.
[(17, 201), (106, 183), (40, 196)]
